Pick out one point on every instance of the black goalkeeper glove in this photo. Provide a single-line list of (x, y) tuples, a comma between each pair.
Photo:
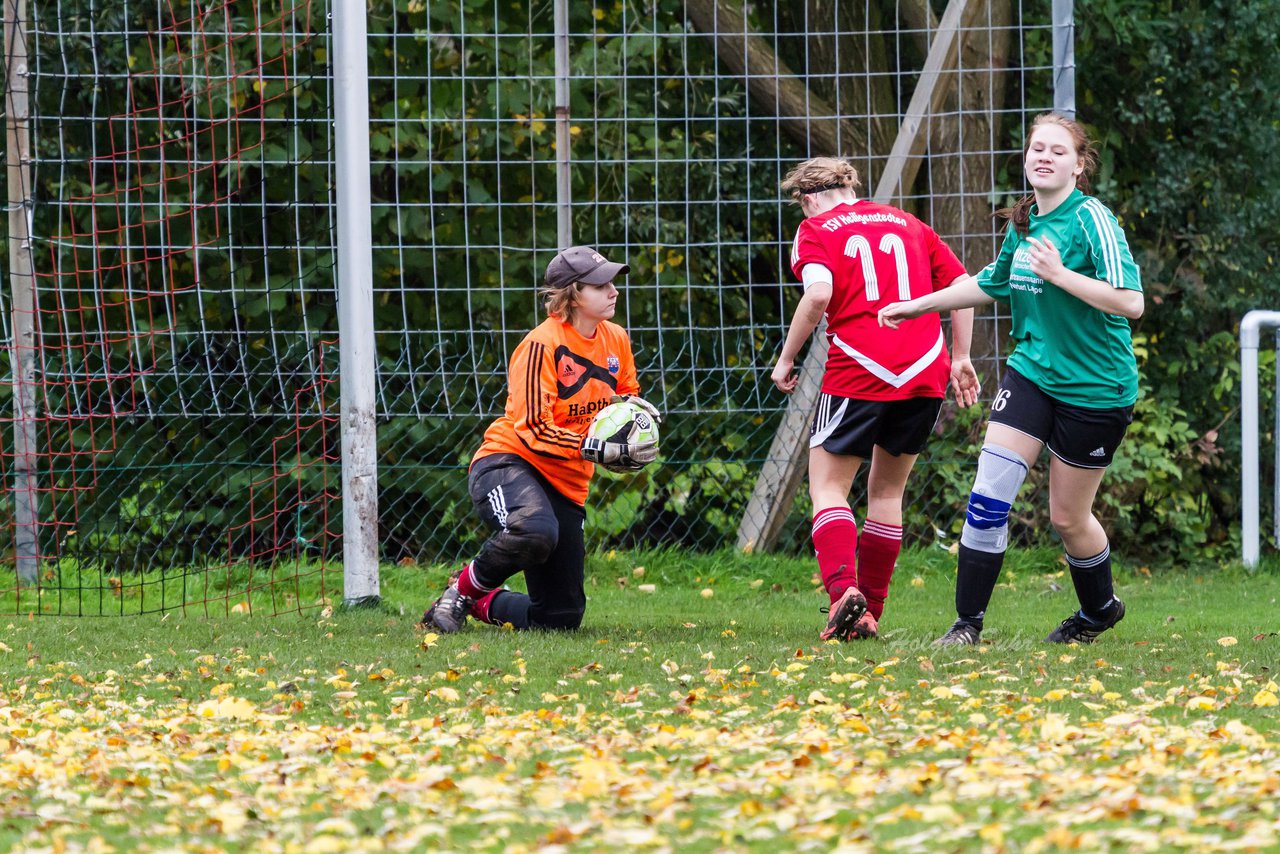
[(619, 456)]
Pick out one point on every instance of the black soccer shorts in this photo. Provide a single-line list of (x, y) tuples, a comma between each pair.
[(1080, 437), (851, 427)]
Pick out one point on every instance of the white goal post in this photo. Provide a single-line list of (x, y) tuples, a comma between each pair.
[(1250, 334), (355, 308)]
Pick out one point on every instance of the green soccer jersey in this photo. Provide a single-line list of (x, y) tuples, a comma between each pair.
[(1071, 350)]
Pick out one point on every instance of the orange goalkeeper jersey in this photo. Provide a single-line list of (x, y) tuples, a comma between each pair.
[(556, 382)]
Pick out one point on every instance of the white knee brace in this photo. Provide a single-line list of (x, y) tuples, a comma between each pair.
[(986, 519)]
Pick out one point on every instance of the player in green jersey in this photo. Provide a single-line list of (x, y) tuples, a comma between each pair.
[(1072, 287)]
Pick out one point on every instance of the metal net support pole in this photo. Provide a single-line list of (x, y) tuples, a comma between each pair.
[(1250, 334), (564, 188), (1064, 57)]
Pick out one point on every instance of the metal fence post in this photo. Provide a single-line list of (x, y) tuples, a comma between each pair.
[(1064, 57), (564, 185)]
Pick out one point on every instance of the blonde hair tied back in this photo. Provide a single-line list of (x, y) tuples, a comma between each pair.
[(819, 174)]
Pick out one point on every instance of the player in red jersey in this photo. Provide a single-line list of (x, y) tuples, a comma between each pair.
[(880, 395), (528, 481)]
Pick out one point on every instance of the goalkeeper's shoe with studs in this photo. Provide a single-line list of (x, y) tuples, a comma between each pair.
[(866, 628), (961, 633), (844, 614), (449, 612), (1081, 629)]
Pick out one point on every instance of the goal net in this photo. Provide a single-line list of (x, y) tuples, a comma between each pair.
[(181, 212)]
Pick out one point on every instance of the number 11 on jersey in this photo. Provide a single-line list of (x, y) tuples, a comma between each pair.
[(859, 248)]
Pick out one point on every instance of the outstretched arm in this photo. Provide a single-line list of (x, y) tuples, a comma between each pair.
[(963, 294)]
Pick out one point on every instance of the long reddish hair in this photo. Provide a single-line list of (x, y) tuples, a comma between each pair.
[(1020, 213)]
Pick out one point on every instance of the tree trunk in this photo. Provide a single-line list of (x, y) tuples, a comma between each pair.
[(805, 116), (854, 73)]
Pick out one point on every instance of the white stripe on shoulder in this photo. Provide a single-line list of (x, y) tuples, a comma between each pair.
[(813, 272), (1108, 247)]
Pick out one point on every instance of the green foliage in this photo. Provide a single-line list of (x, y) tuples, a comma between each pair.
[(1148, 497), (1185, 98), (481, 131)]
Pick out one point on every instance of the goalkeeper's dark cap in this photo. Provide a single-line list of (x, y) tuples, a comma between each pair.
[(582, 264)]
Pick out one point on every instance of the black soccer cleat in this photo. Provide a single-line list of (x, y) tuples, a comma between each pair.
[(961, 633), (1080, 629), (844, 615), (449, 612), (867, 628)]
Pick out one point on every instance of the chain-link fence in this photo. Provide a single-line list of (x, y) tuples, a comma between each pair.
[(182, 206), (684, 119)]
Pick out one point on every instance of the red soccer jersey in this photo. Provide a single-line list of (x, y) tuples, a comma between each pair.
[(878, 255)]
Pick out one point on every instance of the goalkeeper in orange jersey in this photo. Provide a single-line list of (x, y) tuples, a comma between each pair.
[(529, 479)]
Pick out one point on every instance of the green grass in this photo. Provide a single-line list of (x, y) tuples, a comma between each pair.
[(672, 719), (67, 588)]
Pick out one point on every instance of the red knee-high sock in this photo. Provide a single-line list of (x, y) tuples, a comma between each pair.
[(480, 610), (835, 538), (468, 586), (878, 549)]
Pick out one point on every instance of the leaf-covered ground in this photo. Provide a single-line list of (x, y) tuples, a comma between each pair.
[(701, 715)]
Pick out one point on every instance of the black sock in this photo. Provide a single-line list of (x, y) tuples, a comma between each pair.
[(510, 607), (976, 575), (1092, 579)]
